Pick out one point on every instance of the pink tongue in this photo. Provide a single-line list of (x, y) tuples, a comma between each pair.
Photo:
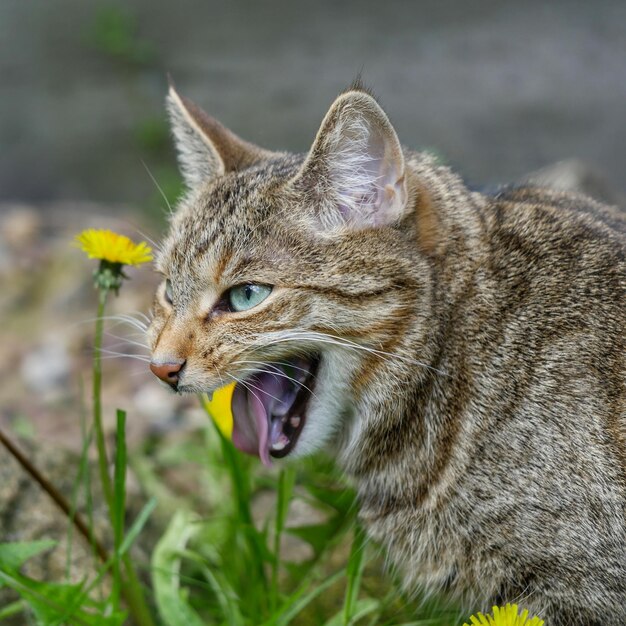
[(250, 435), (251, 409)]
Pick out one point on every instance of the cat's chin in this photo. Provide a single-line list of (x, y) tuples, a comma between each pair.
[(270, 407)]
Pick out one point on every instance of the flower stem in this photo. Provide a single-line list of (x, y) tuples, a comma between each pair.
[(131, 591), (103, 463)]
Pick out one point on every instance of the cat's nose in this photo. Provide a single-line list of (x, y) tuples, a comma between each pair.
[(168, 372)]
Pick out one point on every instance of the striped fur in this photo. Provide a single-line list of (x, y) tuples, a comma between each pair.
[(472, 378)]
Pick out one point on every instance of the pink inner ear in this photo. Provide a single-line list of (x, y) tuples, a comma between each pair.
[(367, 168), (366, 204), (344, 210), (361, 163)]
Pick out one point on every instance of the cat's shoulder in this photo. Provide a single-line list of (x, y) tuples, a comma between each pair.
[(566, 244), (564, 204)]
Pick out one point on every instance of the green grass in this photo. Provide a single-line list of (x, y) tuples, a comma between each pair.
[(252, 547), (233, 566)]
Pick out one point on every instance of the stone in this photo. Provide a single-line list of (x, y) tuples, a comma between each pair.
[(46, 367)]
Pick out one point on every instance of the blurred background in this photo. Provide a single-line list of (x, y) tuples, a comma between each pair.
[(497, 88)]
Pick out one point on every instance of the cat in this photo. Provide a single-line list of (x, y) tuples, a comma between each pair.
[(461, 354)]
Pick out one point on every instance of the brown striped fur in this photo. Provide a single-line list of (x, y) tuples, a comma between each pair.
[(495, 468)]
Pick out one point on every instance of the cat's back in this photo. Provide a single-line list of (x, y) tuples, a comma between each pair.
[(563, 253), (544, 347), (558, 262), (574, 222)]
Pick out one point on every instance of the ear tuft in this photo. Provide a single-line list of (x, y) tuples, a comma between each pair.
[(355, 168), (206, 149), (358, 84)]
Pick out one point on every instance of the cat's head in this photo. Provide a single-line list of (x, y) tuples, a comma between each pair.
[(292, 274)]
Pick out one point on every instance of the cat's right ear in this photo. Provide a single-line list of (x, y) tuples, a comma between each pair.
[(354, 175), (206, 149)]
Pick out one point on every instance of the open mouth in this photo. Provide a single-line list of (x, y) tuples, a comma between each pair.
[(269, 407)]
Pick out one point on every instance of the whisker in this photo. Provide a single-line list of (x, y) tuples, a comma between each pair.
[(129, 341), (265, 363), (149, 239), (127, 317), (141, 314), (260, 389), (313, 336), (122, 344), (112, 350), (156, 184), (241, 382), (115, 354), (119, 318), (391, 355), (108, 357), (283, 375), (136, 325), (290, 340), (137, 335), (219, 374)]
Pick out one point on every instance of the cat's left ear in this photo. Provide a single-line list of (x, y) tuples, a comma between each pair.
[(206, 149), (355, 170)]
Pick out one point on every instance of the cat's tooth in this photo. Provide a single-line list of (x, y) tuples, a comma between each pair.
[(280, 444), (295, 421)]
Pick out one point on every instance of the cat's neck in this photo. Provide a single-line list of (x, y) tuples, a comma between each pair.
[(404, 436)]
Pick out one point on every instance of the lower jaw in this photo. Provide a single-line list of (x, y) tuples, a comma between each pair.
[(300, 409)]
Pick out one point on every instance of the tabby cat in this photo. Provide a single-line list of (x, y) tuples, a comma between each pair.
[(461, 354)]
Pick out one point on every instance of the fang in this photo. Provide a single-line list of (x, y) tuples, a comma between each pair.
[(280, 443)]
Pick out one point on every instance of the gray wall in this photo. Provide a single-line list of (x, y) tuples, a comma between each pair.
[(497, 87)]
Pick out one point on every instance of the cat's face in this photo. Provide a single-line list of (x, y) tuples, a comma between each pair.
[(285, 274)]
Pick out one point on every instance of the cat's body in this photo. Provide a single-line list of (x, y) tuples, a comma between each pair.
[(467, 351), (514, 485)]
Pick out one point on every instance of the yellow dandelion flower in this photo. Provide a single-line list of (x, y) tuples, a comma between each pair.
[(109, 246), (504, 616), (219, 408)]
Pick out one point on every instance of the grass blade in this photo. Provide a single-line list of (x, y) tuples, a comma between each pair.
[(217, 582), (298, 602), (166, 563), (119, 503), (362, 608), (12, 609), (286, 482), (354, 573), (135, 529), (14, 554), (137, 525)]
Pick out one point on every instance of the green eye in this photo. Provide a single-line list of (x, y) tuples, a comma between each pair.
[(169, 298), (244, 297)]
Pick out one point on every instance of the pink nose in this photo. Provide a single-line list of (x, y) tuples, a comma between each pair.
[(167, 372)]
